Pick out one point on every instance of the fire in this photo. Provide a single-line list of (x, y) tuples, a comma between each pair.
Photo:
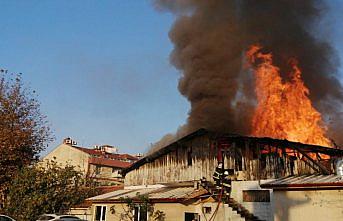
[(283, 110)]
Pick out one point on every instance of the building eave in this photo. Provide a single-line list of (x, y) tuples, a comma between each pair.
[(163, 151), (162, 200)]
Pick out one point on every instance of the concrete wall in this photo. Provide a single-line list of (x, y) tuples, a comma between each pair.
[(173, 211), (105, 171), (68, 155), (82, 213), (107, 175), (176, 211), (65, 154), (311, 205), (263, 210), (225, 213)]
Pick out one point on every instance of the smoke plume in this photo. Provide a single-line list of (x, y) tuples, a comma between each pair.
[(210, 38)]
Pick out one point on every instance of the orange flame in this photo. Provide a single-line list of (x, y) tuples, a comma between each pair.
[(283, 110)]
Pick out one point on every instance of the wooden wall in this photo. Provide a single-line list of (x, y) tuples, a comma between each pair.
[(174, 167), (197, 158)]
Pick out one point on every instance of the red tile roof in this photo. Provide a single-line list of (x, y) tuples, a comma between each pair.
[(94, 152), (89, 151), (109, 162)]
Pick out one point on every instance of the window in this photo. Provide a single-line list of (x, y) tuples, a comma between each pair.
[(263, 162), (100, 213), (97, 170), (192, 217), (256, 196), (207, 209), (238, 160), (140, 214), (189, 158), (238, 163)]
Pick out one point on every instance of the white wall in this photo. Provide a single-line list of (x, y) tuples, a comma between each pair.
[(263, 210), (65, 154), (311, 205)]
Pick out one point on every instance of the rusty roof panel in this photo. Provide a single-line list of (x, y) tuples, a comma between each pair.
[(306, 181), (157, 193)]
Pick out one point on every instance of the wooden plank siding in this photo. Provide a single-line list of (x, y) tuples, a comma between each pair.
[(196, 158), (173, 167)]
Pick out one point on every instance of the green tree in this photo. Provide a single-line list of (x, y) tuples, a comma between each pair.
[(145, 207), (24, 131), (46, 189)]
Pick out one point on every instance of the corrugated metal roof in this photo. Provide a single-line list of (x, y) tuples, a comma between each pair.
[(306, 181), (153, 193), (109, 195), (172, 193)]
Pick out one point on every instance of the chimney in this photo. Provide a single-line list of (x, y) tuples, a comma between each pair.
[(69, 141)]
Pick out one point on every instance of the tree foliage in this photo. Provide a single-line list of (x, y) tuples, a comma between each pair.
[(143, 203), (39, 189), (24, 131)]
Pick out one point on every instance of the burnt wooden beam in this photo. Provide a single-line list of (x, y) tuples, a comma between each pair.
[(319, 165), (287, 144)]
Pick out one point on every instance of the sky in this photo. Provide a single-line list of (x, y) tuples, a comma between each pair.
[(101, 68)]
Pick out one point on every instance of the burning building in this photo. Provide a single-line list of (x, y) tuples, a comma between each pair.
[(254, 68), (183, 175)]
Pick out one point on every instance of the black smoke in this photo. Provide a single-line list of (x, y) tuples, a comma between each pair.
[(210, 38)]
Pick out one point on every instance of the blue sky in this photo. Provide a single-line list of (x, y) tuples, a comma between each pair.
[(101, 68)]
